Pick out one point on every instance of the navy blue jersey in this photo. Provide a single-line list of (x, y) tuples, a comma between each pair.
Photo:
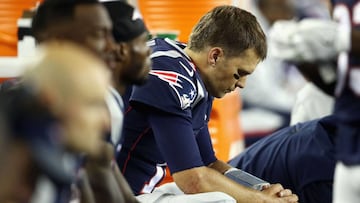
[(347, 105), (300, 157), (166, 123)]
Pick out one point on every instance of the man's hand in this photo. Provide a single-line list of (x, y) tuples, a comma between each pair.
[(308, 40), (105, 178), (105, 156), (101, 177), (276, 193)]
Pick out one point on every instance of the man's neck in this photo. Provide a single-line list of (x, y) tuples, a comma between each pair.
[(121, 89)]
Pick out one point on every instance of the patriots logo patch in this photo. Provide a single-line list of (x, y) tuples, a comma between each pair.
[(184, 88)]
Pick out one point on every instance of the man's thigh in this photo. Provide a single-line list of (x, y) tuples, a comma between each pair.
[(171, 193)]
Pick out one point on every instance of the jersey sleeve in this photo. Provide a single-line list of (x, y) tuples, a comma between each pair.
[(205, 146), (176, 140)]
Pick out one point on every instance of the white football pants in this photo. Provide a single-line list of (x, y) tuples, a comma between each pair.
[(171, 193)]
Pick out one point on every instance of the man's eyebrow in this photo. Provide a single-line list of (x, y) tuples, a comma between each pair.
[(243, 72)]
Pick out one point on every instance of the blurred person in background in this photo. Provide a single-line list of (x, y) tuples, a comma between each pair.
[(306, 42), (132, 60), (57, 19), (266, 110), (311, 103), (312, 8), (315, 99)]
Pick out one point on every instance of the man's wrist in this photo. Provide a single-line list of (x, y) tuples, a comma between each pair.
[(245, 179)]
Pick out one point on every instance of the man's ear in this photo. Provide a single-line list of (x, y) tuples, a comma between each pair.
[(214, 54), (122, 51)]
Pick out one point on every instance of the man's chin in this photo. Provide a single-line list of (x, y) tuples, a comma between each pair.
[(218, 95), (140, 81)]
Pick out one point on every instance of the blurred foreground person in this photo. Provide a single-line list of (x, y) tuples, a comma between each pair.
[(17, 167), (57, 111), (73, 86), (57, 19)]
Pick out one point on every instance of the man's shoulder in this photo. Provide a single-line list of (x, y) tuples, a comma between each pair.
[(9, 84)]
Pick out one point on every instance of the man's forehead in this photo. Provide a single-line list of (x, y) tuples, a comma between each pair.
[(94, 14)]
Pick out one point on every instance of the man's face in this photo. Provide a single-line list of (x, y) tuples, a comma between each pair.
[(230, 73), (93, 28), (134, 69), (85, 115)]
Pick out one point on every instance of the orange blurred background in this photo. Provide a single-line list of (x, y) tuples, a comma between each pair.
[(10, 12)]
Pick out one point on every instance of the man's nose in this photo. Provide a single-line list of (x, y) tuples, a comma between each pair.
[(241, 82)]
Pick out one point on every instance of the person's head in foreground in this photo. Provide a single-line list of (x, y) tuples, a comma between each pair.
[(59, 105), (72, 82), (226, 45)]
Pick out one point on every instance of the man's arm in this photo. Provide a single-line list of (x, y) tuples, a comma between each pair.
[(123, 184), (107, 183), (306, 41), (187, 158), (240, 176), (220, 166), (206, 179)]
